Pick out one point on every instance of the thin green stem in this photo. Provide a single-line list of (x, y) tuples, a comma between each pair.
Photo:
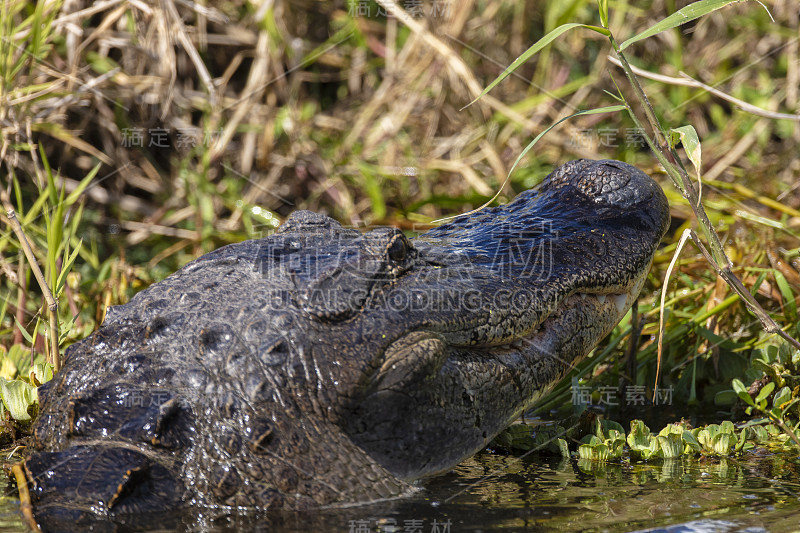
[(52, 303), (674, 168)]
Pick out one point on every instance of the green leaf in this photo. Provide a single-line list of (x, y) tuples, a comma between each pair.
[(8, 369), (75, 194), (21, 356), (784, 350), (602, 6), (615, 448), (593, 452), (563, 448), (687, 136), (62, 276), (723, 443), (704, 438), (42, 373), (64, 329), (671, 445), (743, 437), (17, 396), (654, 450), (741, 391), (725, 398), (691, 442), (639, 436), (790, 306), (33, 212), (537, 46), (682, 16), (100, 64), (373, 188), (591, 440), (765, 391), (760, 435), (598, 429), (610, 427), (782, 396), (670, 429), (25, 334), (768, 369)]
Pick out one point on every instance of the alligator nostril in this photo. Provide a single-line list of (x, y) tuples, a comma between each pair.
[(158, 326)]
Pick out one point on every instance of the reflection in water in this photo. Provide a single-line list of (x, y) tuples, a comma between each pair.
[(542, 494), (491, 492)]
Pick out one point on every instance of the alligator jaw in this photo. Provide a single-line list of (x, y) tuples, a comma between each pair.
[(613, 304), (607, 310)]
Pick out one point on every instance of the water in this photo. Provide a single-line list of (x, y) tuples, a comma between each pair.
[(759, 492)]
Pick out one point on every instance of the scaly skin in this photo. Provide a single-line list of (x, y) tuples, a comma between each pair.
[(322, 366)]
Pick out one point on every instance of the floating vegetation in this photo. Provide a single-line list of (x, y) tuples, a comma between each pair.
[(609, 441)]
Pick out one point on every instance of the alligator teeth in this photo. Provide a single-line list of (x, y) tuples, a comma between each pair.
[(517, 343), (601, 298), (620, 300), (582, 295)]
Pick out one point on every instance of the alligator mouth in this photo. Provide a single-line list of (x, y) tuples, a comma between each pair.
[(608, 308)]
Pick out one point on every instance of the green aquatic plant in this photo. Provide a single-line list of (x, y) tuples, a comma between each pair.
[(776, 405), (20, 375), (608, 441)]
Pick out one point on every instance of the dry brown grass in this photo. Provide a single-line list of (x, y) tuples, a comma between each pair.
[(301, 100), (309, 104)]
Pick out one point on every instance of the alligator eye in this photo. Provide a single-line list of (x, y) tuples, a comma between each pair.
[(398, 249)]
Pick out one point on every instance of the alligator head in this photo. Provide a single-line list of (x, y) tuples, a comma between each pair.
[(323, 366)]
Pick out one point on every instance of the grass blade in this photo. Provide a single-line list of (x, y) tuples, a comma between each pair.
[(530, 52), (682, 16), (602, 6), (73, 196), (65, 269), (607, 109), (56, 131)]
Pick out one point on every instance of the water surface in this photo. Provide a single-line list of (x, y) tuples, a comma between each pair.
[(758, 492)]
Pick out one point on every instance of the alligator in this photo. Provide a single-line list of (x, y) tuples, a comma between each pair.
[(322, 366)]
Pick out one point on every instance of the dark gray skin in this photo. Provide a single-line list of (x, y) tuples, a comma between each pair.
[(322, 367)]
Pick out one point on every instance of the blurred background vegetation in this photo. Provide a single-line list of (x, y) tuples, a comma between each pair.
[(211, 122)]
